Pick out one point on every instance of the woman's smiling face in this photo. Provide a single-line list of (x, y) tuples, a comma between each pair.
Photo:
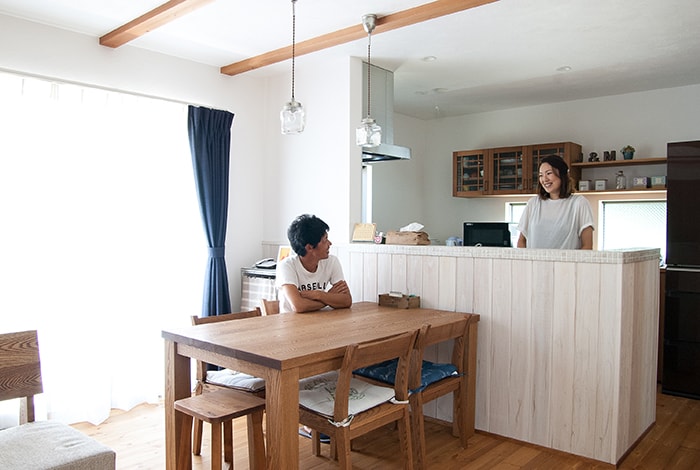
[(550, 180)]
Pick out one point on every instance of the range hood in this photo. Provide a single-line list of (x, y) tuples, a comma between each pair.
[(382, 110)]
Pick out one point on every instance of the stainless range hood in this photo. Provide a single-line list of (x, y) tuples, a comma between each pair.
[(382, 110)]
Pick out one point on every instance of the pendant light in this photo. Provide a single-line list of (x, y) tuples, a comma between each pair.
[(293, 115), (368, 133)]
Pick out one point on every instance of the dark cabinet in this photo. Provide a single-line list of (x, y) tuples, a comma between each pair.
[(506, 170)]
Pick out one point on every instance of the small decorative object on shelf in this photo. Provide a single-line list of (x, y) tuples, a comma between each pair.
[(593, 157), (658, 182), (601, 185), (627, 152), (606, 155), (620, 180), (640, 182)]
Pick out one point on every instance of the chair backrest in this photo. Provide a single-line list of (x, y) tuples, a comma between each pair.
[(20, 370), (372, 352), (270, 307), (459, 332), (226, 317), (201, 366)]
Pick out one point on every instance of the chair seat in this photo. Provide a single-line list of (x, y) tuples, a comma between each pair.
[(236, 380), (317, 393), (431, 372), (45, 445)]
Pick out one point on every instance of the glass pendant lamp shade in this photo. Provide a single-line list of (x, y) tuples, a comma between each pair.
[(293, 115), (293, 118), (368, 133)]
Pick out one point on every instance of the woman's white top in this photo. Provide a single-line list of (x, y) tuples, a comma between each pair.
[(555, 223)]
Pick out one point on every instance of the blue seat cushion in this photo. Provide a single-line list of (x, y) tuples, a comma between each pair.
[(431, 372)]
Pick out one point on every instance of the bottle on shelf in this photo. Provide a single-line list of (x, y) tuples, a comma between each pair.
[(620, 180)]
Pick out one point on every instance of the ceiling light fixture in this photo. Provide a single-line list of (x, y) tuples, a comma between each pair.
[(293, 115), (369, 133)]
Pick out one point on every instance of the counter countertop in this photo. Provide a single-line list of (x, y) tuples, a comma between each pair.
[(622, 256)]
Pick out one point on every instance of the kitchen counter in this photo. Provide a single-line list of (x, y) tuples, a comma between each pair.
[(567, 347)]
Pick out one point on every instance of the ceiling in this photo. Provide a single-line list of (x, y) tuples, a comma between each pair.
[(501, 55)]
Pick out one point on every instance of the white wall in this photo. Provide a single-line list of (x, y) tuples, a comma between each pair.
[(318, 171), (646, 120), (398, 186)]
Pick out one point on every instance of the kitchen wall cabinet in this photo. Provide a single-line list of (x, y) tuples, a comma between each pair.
[(506, 170)]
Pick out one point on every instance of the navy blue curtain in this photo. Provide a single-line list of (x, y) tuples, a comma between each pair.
[(210, 143)]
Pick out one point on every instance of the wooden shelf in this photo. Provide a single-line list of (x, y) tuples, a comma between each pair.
[(626, 191), (634, 161)]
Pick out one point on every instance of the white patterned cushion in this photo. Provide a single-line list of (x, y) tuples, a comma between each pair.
[(317, 393), (233, 379)]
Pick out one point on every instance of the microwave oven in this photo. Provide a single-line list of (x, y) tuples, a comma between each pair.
[(487, 234)]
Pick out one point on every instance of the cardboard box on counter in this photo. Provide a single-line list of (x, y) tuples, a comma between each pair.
[(407, 238), (405, 301)]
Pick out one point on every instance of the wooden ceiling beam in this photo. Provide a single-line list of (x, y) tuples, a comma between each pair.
[(386, 23), (155, 18)]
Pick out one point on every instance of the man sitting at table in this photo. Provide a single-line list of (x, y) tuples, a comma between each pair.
[(312, 279)]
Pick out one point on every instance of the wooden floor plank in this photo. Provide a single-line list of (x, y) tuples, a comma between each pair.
[(673, 442)]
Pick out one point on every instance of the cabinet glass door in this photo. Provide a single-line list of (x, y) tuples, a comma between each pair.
[(507, 165), (470, 172)]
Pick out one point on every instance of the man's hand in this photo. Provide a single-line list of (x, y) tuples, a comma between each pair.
[(340, 287)]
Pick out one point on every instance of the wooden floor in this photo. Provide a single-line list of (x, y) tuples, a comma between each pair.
[(673, 443)]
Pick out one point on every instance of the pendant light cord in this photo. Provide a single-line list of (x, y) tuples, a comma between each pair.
[(294, 40), (369, 71)]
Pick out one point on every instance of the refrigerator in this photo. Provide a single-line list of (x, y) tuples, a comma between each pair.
[(681, 341)]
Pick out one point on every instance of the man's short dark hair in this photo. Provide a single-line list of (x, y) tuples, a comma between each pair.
[(306, 229)]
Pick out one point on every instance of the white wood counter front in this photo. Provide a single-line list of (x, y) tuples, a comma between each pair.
[(567, 344)]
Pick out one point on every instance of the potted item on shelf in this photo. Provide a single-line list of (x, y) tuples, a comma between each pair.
[(627, 152)]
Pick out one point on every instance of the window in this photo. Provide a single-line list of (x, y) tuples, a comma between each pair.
[(102, 243), (634, 224), (514, 211)]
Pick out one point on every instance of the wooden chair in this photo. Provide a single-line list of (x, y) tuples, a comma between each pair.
[(209, 381), (39, 444), (345, 419), (220, 408), (269, 307), (429, 381)]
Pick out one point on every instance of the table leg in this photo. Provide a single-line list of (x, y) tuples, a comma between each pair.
[(282, 414), (177, 385)]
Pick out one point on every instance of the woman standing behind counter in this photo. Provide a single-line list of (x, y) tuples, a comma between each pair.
[(556, 218)]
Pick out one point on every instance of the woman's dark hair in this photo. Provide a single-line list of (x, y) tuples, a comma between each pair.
[(306, 229), (562, 169)]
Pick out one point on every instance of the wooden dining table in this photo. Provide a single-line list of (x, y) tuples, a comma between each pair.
[(282, 349)]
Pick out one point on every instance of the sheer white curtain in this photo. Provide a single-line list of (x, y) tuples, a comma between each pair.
[(101, 244)]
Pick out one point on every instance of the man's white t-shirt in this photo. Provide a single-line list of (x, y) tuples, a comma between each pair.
[(291, 271), (555, 223)]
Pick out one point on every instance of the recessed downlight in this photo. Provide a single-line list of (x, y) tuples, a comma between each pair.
[(564, 68), (429, 58)]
